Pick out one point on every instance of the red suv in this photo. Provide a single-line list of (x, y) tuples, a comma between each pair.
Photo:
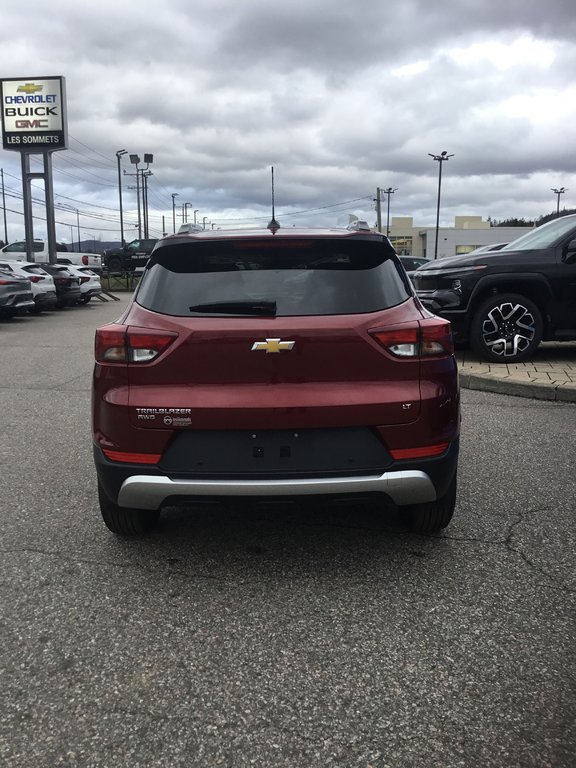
[(268, 364)]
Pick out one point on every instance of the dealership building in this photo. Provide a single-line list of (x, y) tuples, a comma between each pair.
[(468, 233)]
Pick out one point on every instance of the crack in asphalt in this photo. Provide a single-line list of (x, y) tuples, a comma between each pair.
[(507, 542), (127, 566)]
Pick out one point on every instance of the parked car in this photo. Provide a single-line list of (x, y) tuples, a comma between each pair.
[(411, 263), (126, 259), (91, 260), (18, 251), (67, 285), (41, 283), (286, 364), (506, 302), (90, 284), (15, 294)]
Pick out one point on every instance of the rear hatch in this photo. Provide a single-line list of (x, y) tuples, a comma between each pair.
[(280, 334)]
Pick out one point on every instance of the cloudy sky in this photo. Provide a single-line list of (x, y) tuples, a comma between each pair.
[(340, 97)]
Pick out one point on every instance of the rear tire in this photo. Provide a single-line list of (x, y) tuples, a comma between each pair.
[(126, 521), (115, 264), (434, 515)]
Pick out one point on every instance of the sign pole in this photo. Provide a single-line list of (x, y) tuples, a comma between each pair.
[(49, 196), (27, 201)]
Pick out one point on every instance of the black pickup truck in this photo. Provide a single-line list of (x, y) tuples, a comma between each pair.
[(506, 302), (132, 255)]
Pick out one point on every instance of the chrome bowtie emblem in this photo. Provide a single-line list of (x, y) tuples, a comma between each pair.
[(272, 345)]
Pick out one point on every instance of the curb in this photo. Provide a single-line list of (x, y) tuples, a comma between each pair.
[(557, 393)]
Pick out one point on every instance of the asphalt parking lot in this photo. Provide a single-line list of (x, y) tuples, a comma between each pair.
[(280, 636)]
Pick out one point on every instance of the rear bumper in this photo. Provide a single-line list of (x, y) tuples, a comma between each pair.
[(68, 298), (91, 292), (408, 482), (17, 304), (149, 492), (46, 300)]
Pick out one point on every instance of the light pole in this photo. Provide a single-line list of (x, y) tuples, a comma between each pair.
[(118, 156), (78, 226), (440, 158), (204, 222), (135, 160), (195, 212), (186, 211), (558, 192), (388, 192), (174, 196)]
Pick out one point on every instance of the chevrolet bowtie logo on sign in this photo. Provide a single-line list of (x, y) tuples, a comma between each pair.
[(272, 345), (29, 88)]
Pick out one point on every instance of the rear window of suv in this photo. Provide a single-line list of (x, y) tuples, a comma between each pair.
[(282, 277)]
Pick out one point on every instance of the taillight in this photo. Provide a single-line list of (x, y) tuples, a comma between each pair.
[(432, 337), (35, 278), (84, 279), (118, 344), (85, 260), (4, 281)]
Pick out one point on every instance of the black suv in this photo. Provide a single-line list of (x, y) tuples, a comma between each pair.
[(132, 255), (506, 302)]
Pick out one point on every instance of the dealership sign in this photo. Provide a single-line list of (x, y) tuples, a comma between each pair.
[(34, 114)]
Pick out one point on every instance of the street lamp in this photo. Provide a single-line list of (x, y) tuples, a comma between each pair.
[(204, 222), (195, 212), (185, 215), (388, 192), (174, 196), (440, 158), (558, 192), (118, 156)]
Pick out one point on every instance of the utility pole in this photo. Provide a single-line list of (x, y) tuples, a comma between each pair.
[(389, 192), (174, 196), (118, 156), (378, 202), (145, 175)]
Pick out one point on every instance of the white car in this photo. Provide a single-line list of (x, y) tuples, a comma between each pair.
[(18, 251), (42, 284), (90, 284)]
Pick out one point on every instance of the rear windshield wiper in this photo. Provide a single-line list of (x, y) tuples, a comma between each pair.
[(265, 308)]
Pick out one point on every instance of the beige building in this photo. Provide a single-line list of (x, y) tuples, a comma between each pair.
[(468, 233)]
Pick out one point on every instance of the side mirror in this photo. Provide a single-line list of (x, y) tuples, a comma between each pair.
[(569, 252)]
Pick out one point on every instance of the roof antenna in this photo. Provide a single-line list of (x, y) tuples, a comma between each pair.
[(273, 225)]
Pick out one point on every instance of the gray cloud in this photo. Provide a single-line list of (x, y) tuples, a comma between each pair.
[(339, 97)]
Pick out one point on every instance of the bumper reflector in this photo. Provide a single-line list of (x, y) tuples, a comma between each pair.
[(132, 458), (424, 452)]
